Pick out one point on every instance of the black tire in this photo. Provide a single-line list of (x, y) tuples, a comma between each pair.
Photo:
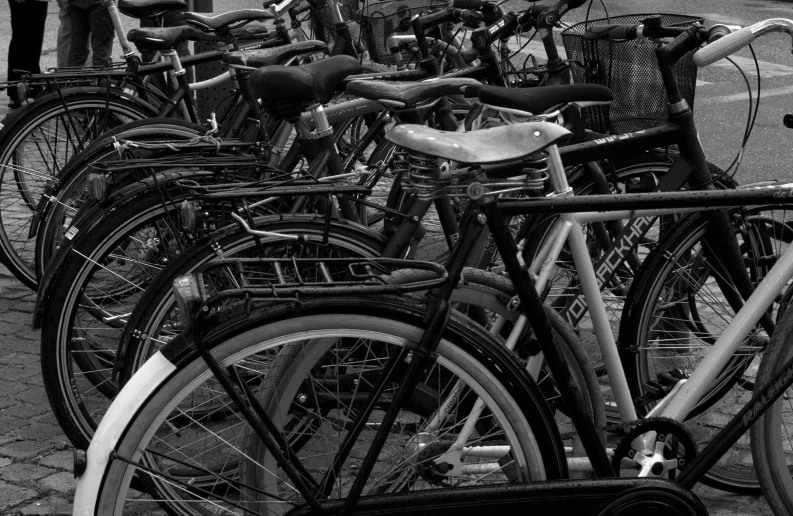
[(770, 435), (48, 138), (674, 313), (521, 419), (69, 192)]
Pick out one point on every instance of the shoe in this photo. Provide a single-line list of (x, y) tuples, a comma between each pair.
[(14, 105)]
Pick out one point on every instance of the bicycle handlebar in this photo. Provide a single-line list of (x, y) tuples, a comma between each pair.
[(477, 5), (628, 32), (733, 42)]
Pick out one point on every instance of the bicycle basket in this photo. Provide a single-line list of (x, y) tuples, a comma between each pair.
[(322, 22), (379, 20), (630, 69)]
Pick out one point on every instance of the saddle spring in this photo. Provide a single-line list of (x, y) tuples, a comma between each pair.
[(425, 175), (535, 166)]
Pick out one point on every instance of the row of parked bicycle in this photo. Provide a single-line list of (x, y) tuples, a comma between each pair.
[(360, 286)]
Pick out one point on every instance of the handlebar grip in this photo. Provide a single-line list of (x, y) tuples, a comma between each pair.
[(468, 4), (612, 32), (723, 47), (599, 31), (622, 32)]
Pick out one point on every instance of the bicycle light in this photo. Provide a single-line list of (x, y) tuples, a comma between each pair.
[(188, 290)]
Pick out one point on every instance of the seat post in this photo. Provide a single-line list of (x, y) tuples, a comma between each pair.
[(121, 34), (180, 80), (322, 127), (556, 172)]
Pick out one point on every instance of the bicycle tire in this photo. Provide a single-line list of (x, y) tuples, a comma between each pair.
[(528, 427), (675, 310), (22, 185), (66, 196), (769, 453)]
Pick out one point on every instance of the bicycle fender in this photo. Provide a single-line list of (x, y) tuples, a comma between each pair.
[(125, 407)]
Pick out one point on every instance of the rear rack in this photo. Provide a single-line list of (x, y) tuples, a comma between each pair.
[(269, 280)]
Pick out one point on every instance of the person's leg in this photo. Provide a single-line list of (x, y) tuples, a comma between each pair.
[(64, 34), (81, 30), (27, 37), (102, 34)]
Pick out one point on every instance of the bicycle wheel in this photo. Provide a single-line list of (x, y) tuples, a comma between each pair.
[(677, 310), (70, 191), (102, 277), (515, 428), (156, 317), (36, 147), (637, 173), (770, 435)]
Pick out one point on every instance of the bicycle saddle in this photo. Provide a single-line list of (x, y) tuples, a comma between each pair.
[(408, 93), (541, 99), (503, 143), (272, 56), (166, 38), (225, 20), (149, 8), (312, 83)]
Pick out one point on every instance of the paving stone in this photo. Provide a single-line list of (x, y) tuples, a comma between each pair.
[(41, 432), (26, 411), (22, 471), (24, 449), (10, 424), (11, 495), (34, 380), (59, 460), (15, 318), (21, 345), (62, 482), (5, 461), (32, 396), (52, 505), (11, 388), (18, 359), (16, 373), (7, 402), (47, 418)]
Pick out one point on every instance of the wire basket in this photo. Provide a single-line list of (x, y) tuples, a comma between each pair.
[(630, 69), (379, 20), (322, 23)]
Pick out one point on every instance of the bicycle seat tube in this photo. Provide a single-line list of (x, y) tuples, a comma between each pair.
[(533, 310)]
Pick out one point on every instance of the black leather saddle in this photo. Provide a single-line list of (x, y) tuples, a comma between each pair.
[(272, 56), (166, 38), (150, 8), (408, 93), (225, 21), (541, 99), (313, 83)]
